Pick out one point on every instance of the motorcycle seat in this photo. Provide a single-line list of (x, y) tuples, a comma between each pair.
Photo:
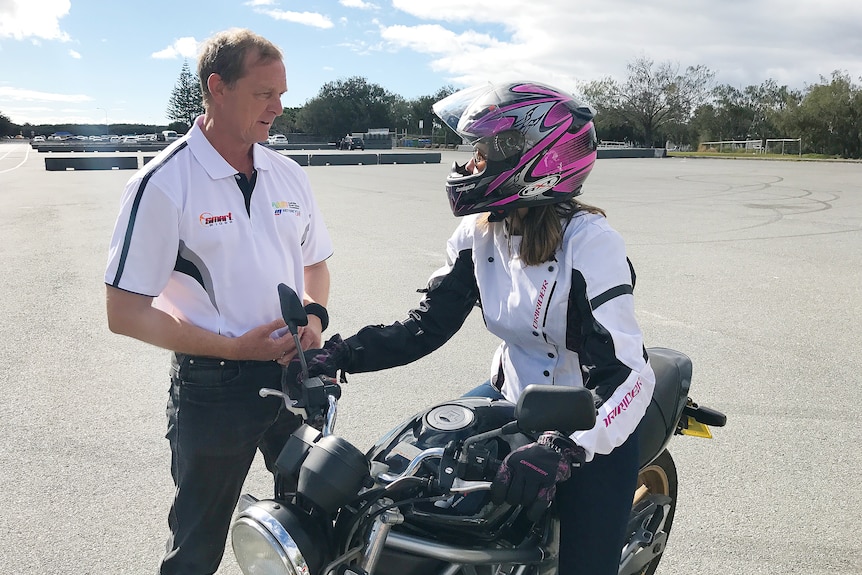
[(672, 382)]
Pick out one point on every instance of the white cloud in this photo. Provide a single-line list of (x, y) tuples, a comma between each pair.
[(560, 42), (313, 19), (75, 55), (186, 47), (359, 4), (18, 94), (20, 19)]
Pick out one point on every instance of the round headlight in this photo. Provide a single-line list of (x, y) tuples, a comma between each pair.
[(269, 537)]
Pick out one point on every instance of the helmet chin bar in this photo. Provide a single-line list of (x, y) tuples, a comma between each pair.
[(498, 215)]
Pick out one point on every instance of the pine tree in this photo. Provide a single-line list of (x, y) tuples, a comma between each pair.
[(186, 102)]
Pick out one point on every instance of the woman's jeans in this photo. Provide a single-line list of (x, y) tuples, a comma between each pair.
[(594, 506), (216, 423)]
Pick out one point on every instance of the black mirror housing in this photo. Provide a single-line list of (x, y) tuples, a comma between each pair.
[(555, 408)]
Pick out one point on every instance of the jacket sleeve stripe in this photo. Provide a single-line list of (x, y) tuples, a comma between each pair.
[(611, 294)]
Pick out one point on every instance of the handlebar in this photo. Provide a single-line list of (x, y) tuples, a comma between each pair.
[(317, 405), (458, 486)]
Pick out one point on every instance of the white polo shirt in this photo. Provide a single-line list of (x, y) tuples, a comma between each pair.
[(184, 236)]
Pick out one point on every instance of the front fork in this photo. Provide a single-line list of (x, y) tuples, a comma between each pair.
[(379, 532)]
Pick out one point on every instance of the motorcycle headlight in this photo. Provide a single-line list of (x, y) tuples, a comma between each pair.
[(274, 538)]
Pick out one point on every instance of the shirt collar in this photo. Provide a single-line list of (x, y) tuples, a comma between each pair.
[(214, 164)]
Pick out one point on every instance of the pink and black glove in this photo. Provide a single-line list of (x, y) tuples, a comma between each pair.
[(334, 355), (529, 475)]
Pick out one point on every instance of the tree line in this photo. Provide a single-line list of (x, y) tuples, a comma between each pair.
[(653, 104), (659, 102)]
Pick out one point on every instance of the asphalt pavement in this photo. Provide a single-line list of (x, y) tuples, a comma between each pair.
[(752, 268)]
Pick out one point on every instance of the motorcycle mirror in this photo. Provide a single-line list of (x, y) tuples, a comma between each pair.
[(294, 316), (291, 308), (555, 408)]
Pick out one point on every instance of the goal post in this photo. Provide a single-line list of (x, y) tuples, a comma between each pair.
[(737, 146), (784, 146)]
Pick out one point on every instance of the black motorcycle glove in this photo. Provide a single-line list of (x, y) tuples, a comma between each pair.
[(529, 475), (334, 355)]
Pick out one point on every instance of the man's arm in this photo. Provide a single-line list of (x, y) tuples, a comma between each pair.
[(317, 283), (133, 315), (316, 277)]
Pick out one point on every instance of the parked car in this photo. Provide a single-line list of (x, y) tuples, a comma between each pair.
[(351, 143), (276, 139), (167, 136), (38, 139)]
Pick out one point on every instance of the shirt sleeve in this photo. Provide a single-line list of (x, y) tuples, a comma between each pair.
[(316, 242), (145, 240)]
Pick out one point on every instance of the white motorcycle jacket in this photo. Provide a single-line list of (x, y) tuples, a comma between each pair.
[(569, 321)]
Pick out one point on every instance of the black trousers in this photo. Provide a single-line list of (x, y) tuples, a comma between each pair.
[(594, 507), (216, 423)]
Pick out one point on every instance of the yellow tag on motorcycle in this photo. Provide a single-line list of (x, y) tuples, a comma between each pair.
[(697, 429)]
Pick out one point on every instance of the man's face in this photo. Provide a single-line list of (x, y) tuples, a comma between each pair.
[(249, 107)]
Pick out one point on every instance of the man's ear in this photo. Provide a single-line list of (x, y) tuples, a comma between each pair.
[(216, 86)]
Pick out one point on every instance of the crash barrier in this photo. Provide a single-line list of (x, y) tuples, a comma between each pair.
[(610, 153), (152, 146), (631, 153), (421, 158), (346, 159), (354, 159), (365, 159), (92, 163), (100, 147)]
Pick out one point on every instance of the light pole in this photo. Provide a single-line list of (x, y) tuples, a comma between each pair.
[(107, 129)]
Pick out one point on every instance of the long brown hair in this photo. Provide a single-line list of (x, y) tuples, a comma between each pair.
[(542, 228)]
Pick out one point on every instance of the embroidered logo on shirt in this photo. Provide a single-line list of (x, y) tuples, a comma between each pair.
[(280, 208), (209, 220)]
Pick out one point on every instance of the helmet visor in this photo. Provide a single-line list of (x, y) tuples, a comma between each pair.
[(499, 147), (459, 108)]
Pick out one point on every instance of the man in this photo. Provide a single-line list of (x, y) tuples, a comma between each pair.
[(206, 232)]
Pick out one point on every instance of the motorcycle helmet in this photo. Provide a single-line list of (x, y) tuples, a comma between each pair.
[(538, 144)]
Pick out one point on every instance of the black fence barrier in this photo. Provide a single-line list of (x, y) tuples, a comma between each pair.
[(301, 159), (417, 158), (92, 163), (631, 153), (354, 159)]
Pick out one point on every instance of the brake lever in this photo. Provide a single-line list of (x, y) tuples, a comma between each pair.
[(288, 402), (462, 486)]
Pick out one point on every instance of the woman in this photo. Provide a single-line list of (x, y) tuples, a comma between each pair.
[(556, 287)]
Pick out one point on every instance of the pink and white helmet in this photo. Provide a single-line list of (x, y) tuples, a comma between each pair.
[(539, 143)]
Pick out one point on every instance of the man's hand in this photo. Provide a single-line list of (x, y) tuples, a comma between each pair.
[(257, 344), (310, 337)]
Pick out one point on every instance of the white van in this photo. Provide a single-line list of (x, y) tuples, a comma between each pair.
[(167, 136), (277, 139)]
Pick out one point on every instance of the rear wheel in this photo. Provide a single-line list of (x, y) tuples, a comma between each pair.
[(659, 478)]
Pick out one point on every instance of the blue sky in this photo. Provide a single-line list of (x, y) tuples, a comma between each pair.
[(76, 60)]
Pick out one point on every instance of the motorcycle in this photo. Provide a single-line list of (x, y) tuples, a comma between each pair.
[(418, 502)]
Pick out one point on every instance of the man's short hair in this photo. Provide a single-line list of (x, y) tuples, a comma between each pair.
[(225, 53)]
